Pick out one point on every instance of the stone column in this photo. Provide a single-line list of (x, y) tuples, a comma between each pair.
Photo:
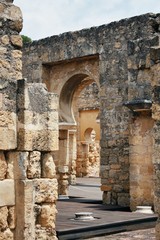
[(72, 156), (63, 165)]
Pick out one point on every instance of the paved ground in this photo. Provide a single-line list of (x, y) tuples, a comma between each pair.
[(81, 196), (148, 234)]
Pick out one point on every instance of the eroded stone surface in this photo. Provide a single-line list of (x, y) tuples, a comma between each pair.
[(46, 190), (3, 217), (48, 166), (3, 166), (47, 216), (7, 193), (34, 166), (6, 235)]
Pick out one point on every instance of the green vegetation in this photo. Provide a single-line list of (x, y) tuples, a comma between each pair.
[(26, 39)]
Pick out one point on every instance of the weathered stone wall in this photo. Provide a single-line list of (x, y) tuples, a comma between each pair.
[(155, 57), (141, 165), (10, 71), (142, 146), (122, 52), (36, 183), (123, 59), (88, 98), (28, 135)]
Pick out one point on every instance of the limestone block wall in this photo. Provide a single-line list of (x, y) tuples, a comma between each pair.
[(37, 117), (140, 66), (122, 53), (28, 183), (36, 183), (10, 71), (88, 97), (141, 165), (155, 57), (28, 135)]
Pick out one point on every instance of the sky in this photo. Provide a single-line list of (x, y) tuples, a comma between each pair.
[(44, 18)]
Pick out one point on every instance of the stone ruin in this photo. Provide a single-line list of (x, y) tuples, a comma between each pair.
[(79, 104)]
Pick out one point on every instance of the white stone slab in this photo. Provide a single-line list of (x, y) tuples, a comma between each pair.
[(7, 193)]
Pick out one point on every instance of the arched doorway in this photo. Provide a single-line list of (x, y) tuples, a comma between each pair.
[(71, 81), (76, 116)]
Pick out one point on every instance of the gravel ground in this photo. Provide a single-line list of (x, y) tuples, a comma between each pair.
[(146, 234)]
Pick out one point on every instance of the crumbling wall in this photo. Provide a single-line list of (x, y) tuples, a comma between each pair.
[(142, 137), (122, 51), (10, 71), (28, 135), (36, 183)]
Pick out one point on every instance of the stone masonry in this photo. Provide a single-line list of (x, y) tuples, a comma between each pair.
[(28, 136), (120, 59), (40, 119)]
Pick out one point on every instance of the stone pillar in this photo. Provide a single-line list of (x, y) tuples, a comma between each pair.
[(36, 183), (82, 159), (72, 156), (114, 168), (141, 166), (63, 165)]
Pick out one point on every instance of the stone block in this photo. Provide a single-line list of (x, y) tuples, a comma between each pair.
[(34, 165), (25, 140), (3, 218), (46, 190), (47, 215), (25, 215), (20, 164), (7, 193), (3, 166), (8, 135), (156, 111), (53, 101), (8, 118), (43, 233), (10, 167), (11, 217), (13, 16), (8, 139), (7, 235), (37, 124), (48, 166), (16, 40), (4, 40), (45, 140)]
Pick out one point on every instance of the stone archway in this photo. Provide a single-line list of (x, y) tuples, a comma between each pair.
[(69, 80), (70, 111)]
